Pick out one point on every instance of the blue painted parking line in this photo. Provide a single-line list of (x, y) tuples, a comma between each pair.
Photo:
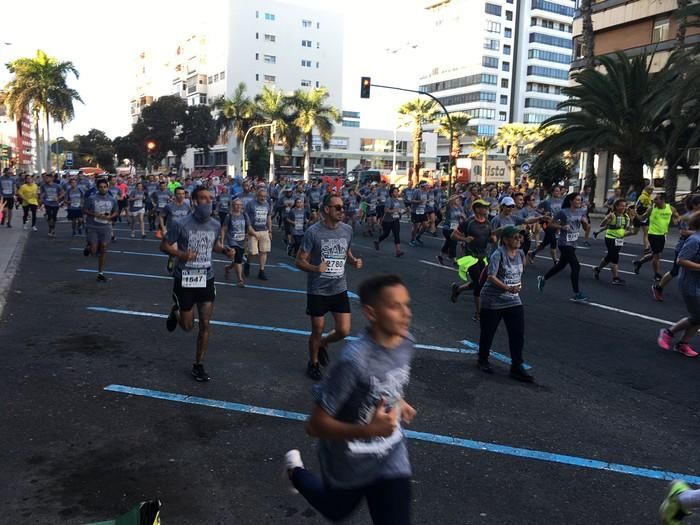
[(472, 350), (495, 448)]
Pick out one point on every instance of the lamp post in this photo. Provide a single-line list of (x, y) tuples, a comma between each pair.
[(271, 125)]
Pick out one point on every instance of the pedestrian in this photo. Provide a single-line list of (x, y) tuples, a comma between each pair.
[(191, 241), (500, 300), (233, 234), (160, 199), (51, 195), (549, 208), (100, 210), (358, 414), (28, 193), (642, 205), (8, 189), (616, 224), (391, 221), (324, 251), (175, 210), (259, 231), (659, 215), (454, 215), (296, 221), (680, 501), (689, 286), (137, 208), (569, 222), (74, 198)]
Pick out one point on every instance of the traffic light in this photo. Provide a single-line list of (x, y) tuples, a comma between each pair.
[(364, 88), (150, 146)]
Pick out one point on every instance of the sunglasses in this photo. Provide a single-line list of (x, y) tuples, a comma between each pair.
[(338, 207)]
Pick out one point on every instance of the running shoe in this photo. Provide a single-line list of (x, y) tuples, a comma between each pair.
[(665, 339), (657, 292), (419, 242), (400, 254), (658, 277), (262, 276), (412, 244), (586, 243), (484, 366), (476, 317), (292, 461), (454, 293), (685, 349), (159, 235), (617, 281), (579, 297), (376, 244), (323, 357), (520, 374), (198, 373), (440, 259), (670, 511), (143, 236), (595, 235), (637, 266), (25, 226), (246, 268), (531, 257), (314, 371), (101, 277), (133, 235), (171, 321), (596, 273), (541, 281), (171, 264)]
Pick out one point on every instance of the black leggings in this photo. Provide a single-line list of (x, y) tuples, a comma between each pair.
[(27, 209), (51, 214), (450, 245), (613, 255), (514, 318), (391, 227), (388, 500), (568, 256)]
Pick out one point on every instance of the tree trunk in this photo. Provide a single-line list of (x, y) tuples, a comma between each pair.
[(48, 144), (587, 33), (513, 157), (307, 156), (38, 153), (671, 179), (19, 143), (483, 167), (631, 173), (417, 139), (590, 178)]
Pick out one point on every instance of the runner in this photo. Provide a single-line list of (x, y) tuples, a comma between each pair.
[(297, 220), (358, 413), (692, 204), (476, 234), (569, 221), (391, 221), (100, 210), (151, 186), (454, 215), (689, 286), (233, 236), (351, 209), (659, 217), (137, 208), (160, 199), (192, 240), (51, 195), (223, 204), (617, 228), (8, 189), (642, 205), (259, 231), (500, 299), (680, 501), (419, 219), (370, 202), (74, 198), (174, 211), (549, 208), (324, 251), (28, 193)]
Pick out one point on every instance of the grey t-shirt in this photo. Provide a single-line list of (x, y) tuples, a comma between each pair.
[(74, 198), (509, 271), (161, 198), (237, 226), (49, 194), (501, 221), (190, 234), (573, 218), (364, 373), (8, 186), (174, 212), (331, 245), (392, 204), (689, 280), (100, 204), (298, 218), (257, 214), (136, 200)]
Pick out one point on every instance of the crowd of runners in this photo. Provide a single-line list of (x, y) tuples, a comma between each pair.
[(490, 233)]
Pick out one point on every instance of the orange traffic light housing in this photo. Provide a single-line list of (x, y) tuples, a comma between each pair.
[(365, 87)]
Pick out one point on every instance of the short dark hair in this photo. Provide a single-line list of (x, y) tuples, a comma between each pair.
[(101, 181), (178, 188), (327, 198), (371, 289), (196, 192)]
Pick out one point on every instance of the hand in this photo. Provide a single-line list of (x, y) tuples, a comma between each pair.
[(407, 412), (514, 289), (357, 263), (468, 239), (323, 267), (384, 422), (566, 228), (230, 252), (187, 256), (270, 234)]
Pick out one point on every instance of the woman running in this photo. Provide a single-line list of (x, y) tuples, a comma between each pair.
[(391, 223), (616, 224), (454, 215)]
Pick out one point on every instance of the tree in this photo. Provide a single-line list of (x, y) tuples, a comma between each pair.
[(309, 112), (40, 83), (163, 122), (513, 137), (460, 127), (418, 112), (94, 149), (551, 171), (615, 109), (199, 129), (588, 48), (271, 105), (480, 149), (236, 114)]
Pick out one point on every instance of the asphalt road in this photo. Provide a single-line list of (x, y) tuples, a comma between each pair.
[(610, 417)]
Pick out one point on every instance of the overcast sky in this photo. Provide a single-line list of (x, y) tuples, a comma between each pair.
[(103, 38)]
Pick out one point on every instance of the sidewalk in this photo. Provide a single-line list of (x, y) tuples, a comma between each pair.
[(12, 242)]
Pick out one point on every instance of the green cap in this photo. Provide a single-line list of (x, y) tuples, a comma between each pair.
[(509, 231)]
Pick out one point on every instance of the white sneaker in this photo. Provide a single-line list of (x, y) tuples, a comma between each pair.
[(292, 460), (133, 235), (25, 226), (35, 229)]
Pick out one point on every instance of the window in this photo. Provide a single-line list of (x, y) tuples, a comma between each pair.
[(257, 56), (306, 43), (551, 40), (505, 66), (483, 113), (509, 1), (269, 79), (533, 118), (493, 27), (660, 31), (270, 38), (549, 56), (317, 84), (257, 14), (502, 115), (509, 16), (459, 82), (351, 124), (203, 99), (544, 5), (465, 98), (492, 9), (318, 45), (541, 103), (269, 16), (210, 80), (306, 23), (306, 63), (257, 77), (318, 25), (216, 77), (506, 49), (257, 35), (564, 28), (221, 75), (543, 88), (561, 74), (508, 32), (504, 83), (270, 59), (317, 65), (504, 100), (491, 62), (490, 43), (305, 83)]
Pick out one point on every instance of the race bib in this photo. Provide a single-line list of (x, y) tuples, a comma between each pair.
[(138, 203), (454, 225), (298, 223), (75, 202), (238, 236), (396, 215), (420, 210), (194, 278), (336, 267), (619, 242), (102, 208), (572, 236)]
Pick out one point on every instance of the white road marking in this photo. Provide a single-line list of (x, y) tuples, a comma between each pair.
[(587, 265), (627, 312), (438, 265)]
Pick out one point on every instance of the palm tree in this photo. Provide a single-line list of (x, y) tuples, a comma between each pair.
[(616, 109), (236, 114), (460, 127), (310, 111), (588, 48), (512, 137), (418, 112), (39, 83), (271, 105), (481, 148)]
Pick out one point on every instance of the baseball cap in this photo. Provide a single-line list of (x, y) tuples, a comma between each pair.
[(480, 202), (509, 231), (507, 201)]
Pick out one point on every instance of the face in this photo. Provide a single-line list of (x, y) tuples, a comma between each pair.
[(262, 196), (179, 195), (237, 206), (102, 187), (298, 203), (480, 211), (513, 242), (659, 201), (507, 210), (392, 313), (620, 207), (335, 210), (203, 197), (519, 201), (576, 202), (162, 186), (73, 183), (139, 186), (531, 200), (556, 192)]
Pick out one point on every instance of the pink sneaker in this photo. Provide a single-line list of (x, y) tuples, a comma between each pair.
[(665, 340), (686, 350)]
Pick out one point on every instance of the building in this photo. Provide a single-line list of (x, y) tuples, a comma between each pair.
[(524, 49), (19, 139)]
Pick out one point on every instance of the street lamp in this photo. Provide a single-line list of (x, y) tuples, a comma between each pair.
[(150, 147)]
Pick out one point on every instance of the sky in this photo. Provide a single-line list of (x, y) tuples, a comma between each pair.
[(103, 39)]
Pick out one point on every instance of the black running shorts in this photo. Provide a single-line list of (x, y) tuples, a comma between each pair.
[(320, 305), (186, 298)]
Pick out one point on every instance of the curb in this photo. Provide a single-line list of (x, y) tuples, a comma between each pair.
[(8, 275)]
